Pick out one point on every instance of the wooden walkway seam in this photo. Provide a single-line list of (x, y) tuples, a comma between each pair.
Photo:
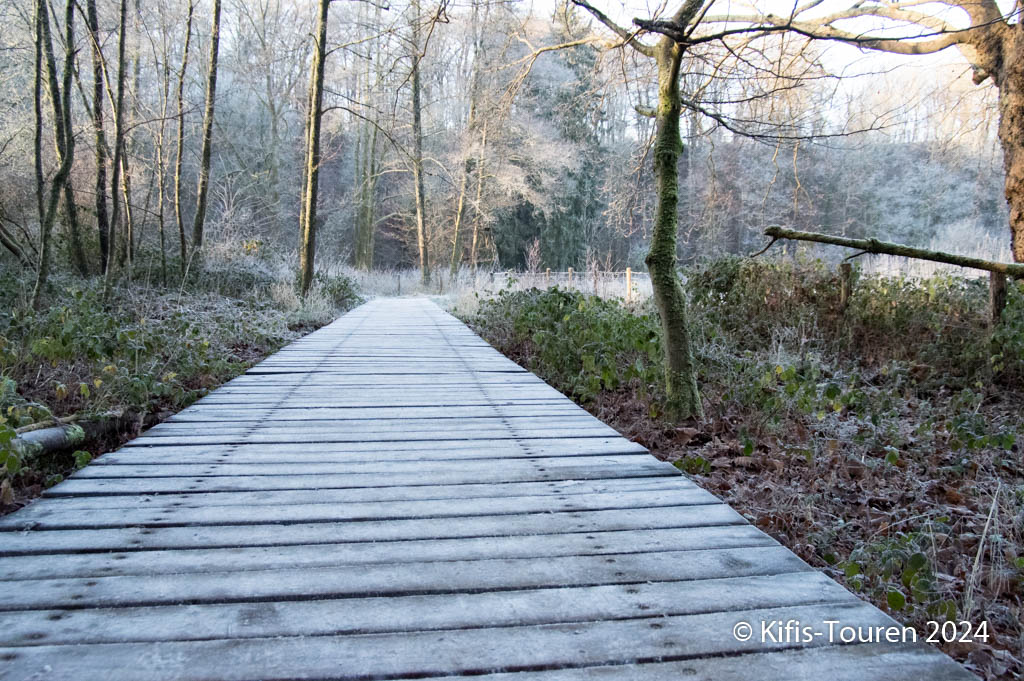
[(390, 498)]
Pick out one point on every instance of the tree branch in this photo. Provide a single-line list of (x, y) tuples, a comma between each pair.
[(628, 37), (876, 246)]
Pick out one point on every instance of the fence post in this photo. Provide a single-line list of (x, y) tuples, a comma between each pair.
[(996, 295), (547, 278), (629, 284), (595, 281), (845, 285), (570, 278), (398, 277)]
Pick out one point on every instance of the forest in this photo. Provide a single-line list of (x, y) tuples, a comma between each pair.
[(188, 186)]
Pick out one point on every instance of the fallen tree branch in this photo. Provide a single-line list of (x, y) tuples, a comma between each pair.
[(68, 434), (1015, 270)]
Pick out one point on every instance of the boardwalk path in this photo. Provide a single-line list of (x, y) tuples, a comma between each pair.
[(391, 498)]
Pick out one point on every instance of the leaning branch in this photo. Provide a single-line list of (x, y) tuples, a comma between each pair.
[(884, 247)]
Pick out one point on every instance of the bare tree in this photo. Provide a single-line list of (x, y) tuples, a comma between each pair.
[(99, 136), (60, 99), (307, 225), (992, 42), (180, 146), (471, 125), (202, 192), (118, 104), (417, 147), (680, 373)]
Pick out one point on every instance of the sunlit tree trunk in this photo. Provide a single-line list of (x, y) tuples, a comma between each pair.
[(203, 189), (1010, 81), (680, 372), (307, 226), (467, 163)]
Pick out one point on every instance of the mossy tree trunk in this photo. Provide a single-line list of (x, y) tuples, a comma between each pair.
[(64, 143), (102, 221), (307, 227), (683, 398), (680, 372)]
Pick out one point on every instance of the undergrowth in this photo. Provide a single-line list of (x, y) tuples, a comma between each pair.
[(879, 440), (136, 353)]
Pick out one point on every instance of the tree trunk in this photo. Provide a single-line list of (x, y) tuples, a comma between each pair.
[(115, 205), (367, 202), (876, 246), (680, 373), (178, 215), (478, 217), (204, 168), (161, 161), (417, 153), (70, 207), (467, 164), (460, 209), (61, 102), (102, 222), (307, 226), (1010, 81)]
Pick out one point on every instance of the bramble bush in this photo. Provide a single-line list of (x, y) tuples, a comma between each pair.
[(583, 344)]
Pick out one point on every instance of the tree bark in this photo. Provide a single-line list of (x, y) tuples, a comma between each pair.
[(417, 153), (115, 205), (179, 150), (1010, 81), (204, 164), (366, 218), (307, 226), (876, 246), (683, 398), (70, 207), (102, 221), (478, 217), (467, 163), (161, 161), (61, 102)]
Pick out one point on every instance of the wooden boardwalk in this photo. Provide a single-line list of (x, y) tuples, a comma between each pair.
[(390, 498)]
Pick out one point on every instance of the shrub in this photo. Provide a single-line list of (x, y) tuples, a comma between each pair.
[(582, 344)]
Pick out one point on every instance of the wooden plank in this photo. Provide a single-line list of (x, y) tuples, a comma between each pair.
[(51, 515), (418, 654), (321, 452), (215, 468), (173, 561), (417, 613), (403, 579), (58, 541), (483, 492), (208, 413), (76, 485), (403, 435)]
